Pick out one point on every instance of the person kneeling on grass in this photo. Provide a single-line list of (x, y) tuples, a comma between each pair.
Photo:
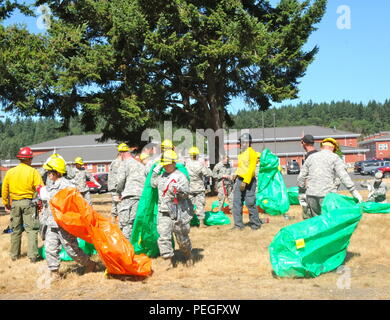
[(55, 236), (175, 209)]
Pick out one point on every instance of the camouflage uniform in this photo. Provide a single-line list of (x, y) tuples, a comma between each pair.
[(376, 191), (317, 177), (131, 180), (197, 171), (112, 183), (80, 179), (173, 218), (224, 169), (55, 236)]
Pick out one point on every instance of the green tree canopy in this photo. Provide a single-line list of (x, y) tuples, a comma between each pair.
[(133, 63)]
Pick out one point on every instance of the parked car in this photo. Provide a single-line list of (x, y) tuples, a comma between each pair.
[(102, 179), (385, 170), (370, 167), (357, 166), (293, 167)]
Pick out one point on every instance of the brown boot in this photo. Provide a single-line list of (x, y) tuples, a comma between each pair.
[(91, 266)]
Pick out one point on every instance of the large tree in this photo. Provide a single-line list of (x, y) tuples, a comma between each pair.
[(135, 62)]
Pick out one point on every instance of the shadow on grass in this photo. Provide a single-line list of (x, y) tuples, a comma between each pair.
[(196, 255), (351, 255)]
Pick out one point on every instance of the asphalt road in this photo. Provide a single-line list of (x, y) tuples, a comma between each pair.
[(291, 180)]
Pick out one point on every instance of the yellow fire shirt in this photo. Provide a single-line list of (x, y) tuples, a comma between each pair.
[(20, 183), (247, 165)]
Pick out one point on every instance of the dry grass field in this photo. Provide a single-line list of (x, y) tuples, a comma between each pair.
[(229, 265)]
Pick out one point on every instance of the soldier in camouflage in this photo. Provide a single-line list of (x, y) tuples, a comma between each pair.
[(223, 173), (112, 180), (81, 176), (55, 236), (165, 146), (131, 179), (318, 174), (175, 210), (377, 188), (197, 171)]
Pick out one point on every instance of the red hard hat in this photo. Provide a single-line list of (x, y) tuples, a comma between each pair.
[(24, 153)]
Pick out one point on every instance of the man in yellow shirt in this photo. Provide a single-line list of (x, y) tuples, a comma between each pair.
[(245, 185), (18, 190)]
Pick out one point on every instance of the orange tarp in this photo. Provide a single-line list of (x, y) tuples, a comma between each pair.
[(77, 217)]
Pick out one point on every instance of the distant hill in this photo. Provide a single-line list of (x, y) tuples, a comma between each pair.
[(345, 115)]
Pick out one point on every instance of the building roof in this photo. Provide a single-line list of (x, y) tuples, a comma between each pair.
[(289, 133), (381, 138), (290, 148), (93, 154), (74, 141)]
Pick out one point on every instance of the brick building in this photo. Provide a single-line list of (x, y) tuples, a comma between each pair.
[(378, 145), (285, 142), (97, 156)]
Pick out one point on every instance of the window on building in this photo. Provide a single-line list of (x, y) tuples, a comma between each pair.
[(89, 166), (101, 168), (382, 146)]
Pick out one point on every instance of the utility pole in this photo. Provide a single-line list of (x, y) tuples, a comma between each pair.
[(262, 120), (274, 132)]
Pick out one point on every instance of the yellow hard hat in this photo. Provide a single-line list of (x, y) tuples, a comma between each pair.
[(331, 141), (166, 144), (79, 160), (144, 156), (123, 147), (56, 164), (168, 157), (193, 150)]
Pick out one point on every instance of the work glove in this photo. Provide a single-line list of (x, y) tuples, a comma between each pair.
[(242, 186), (157, 169), (357, 195), (302, 199), (43, 193)]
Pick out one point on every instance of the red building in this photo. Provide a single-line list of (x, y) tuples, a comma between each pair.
[(97, 156), (285, 142), (378, 145)]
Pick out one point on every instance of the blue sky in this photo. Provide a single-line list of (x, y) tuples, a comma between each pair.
[(352, 64)]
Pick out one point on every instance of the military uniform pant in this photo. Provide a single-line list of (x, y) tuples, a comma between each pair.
[(313, 206), (249, 196), (114, 207), (127, 210), (221, 194), (24, 214), (87, 196), (305, 213), (165, 227), (57, 237), (199, 200)]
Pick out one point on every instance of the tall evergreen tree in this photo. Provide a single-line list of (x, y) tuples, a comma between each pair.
[(136, 62)]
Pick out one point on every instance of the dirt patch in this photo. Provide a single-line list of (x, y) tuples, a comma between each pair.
[(229, 265)]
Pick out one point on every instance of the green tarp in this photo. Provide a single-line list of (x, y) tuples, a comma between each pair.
[(316, 245), (271, 193), (88, 249), (292, 193), (375, 207), (335, 201), (216, 218), (144, 235)]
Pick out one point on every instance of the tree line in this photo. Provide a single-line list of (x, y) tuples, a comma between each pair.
[(361, 118)]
